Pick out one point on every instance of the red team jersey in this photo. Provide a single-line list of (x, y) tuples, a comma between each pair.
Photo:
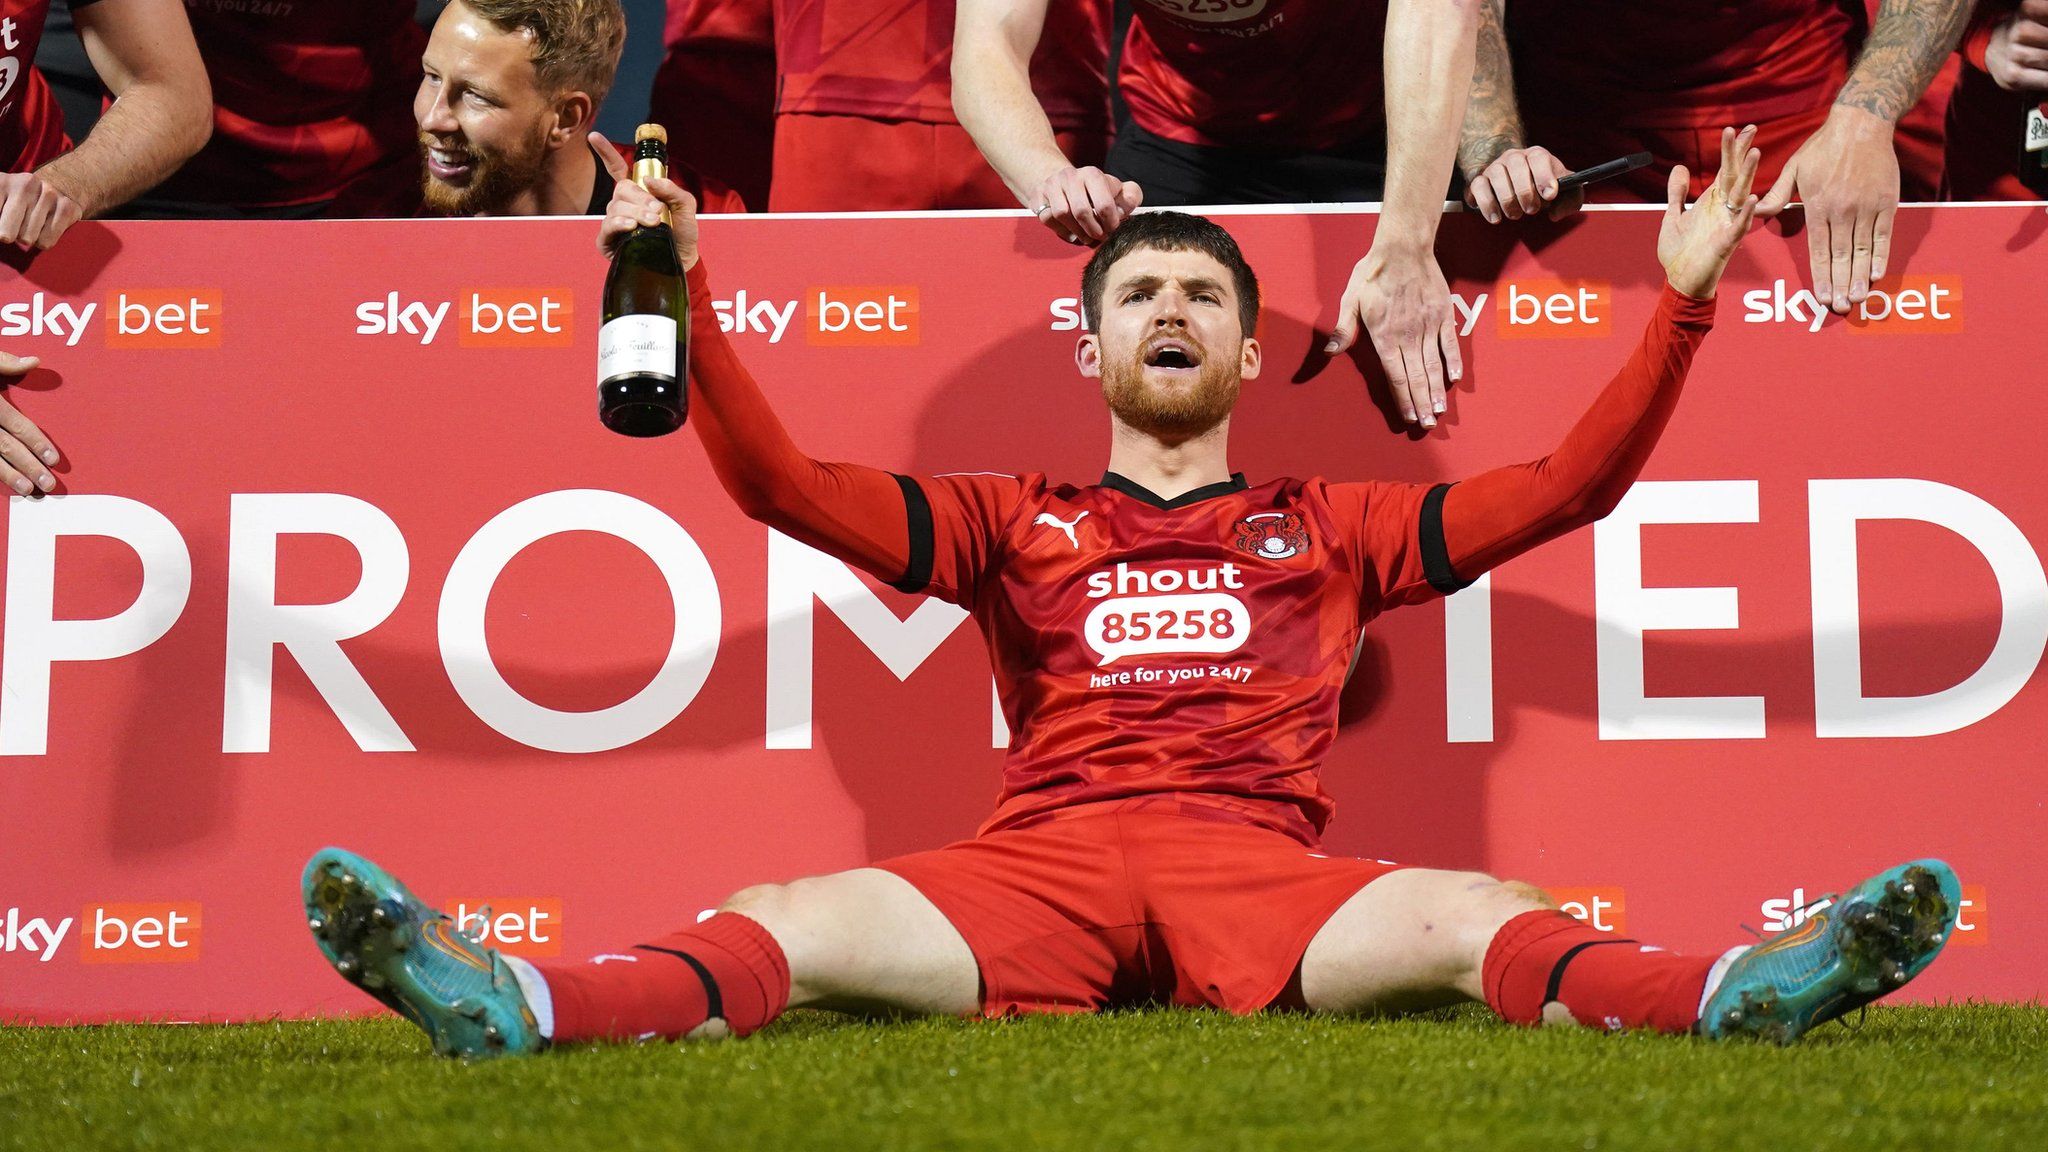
[(31, 124), (1275, 75), (1192, 645), (308, 95), (1679, 63), (893, 59), (715, 91)]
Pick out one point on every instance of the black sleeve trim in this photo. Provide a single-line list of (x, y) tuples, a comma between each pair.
[(917, 573), (1436, 555)]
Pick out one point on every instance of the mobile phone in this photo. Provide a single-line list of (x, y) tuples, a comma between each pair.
[(1585, 176)]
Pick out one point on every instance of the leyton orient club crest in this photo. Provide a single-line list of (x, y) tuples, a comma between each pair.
[(1273, 535)]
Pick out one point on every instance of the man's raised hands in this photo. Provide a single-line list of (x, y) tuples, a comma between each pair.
[(1695, 243)]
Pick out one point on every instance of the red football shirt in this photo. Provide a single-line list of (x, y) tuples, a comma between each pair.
[(1275, 75), (31, 123), (1167, 647), (893, 60), (715, 91), (1679, 63), (307, 97)]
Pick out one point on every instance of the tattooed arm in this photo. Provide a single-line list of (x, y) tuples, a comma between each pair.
[(1907, 45), (1493, 124), (1847, 173), (1504, 179)]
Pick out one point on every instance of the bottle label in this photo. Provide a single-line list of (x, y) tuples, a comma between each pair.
[(2037, 128), (636, 344)]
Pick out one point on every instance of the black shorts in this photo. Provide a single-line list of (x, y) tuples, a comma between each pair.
[(1171, 172)]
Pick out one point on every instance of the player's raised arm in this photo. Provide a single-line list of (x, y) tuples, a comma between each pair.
[(992, 45), (852, 512), (1500, 514)]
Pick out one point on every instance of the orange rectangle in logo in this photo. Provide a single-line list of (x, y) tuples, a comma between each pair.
[(861, 314), (1912, 306), (139, 933), (517, 318), (164, 318), (1604, 909), (1973, 920), (521, 926), (1552, 309)]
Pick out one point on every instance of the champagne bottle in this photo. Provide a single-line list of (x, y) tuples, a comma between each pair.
[(643, 348)]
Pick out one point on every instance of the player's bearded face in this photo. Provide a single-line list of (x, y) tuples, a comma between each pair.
[(1153, 388), (1170, 343), (465, 175), (483, 120)]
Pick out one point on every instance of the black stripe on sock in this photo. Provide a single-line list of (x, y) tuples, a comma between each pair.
[(1436, 555), (1557, 973), (917, 572), (714, 1001)]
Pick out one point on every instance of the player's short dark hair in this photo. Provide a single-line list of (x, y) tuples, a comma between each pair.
[(1170, 232)]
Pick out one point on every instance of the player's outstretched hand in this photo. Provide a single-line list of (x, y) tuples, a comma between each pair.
[(24, 451), (1401, 299), (1084, 205), (634, 207), (1695, 243), (1847, 176), (1522, 182)]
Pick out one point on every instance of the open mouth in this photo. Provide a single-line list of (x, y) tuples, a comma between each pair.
[(1172, 355), (450, 165)]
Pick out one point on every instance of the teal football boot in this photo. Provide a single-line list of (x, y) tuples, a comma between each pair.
[(1869, 941), (389, 943)]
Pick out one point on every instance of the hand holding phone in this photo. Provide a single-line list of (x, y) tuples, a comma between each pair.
[(1598, 172)]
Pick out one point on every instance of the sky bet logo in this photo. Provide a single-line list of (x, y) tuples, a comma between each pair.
[(133, 318), (1553, 309), (109, 933), (488, 318), (834, 315), (1913, 305)]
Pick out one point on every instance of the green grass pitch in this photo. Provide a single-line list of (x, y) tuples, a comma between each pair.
[(1910, 1078)]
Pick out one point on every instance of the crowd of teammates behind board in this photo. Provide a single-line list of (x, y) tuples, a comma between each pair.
[(1078, 110), (1591, 74)]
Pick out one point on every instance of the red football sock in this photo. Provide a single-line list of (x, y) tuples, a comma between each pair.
[(1545, 955), (726, 968)]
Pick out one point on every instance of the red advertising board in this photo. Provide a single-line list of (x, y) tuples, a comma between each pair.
[(342, 555)]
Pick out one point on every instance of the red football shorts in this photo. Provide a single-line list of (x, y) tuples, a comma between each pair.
[(1131, 902)]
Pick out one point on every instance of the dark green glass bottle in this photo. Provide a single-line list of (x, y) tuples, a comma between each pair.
[(643, 350)]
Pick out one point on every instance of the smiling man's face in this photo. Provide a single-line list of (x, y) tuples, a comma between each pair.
[(1169, 345), (484, 121)]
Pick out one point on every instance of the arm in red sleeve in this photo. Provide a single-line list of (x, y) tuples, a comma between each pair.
[(1501, 514), (857, 514)]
